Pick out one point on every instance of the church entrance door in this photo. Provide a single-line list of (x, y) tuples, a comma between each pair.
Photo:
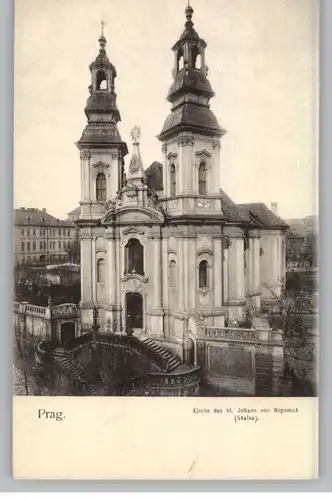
[(134, 311), (67, 332)]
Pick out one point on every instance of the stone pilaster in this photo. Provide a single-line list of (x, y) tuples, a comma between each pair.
[(182, 276), (225, 266), (180, 170), (256, 265), (86, 268), (236, 269), (114, 179), (192, 273), (165, 289), (85, 174), (218, 275), (157, 275), (93, 269), (111, 260)]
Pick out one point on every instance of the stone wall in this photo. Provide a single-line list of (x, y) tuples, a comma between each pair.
[(239, 361)]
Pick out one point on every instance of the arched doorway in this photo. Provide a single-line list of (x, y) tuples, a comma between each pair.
[(134, 311), (67, 332)]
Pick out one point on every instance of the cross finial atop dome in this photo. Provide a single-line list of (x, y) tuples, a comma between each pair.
[(102, 40)]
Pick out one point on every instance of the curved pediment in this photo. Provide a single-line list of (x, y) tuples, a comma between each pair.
[(130, 216)]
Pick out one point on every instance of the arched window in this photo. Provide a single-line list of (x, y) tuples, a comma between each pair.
[(173, 180), (195, 57), (134, 257), (180, 62), (101, 187), (101, 81), (101, 271), (202, 178), (172, 274), (202, 274)]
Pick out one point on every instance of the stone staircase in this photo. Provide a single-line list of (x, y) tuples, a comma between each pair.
[(171, 360), (73, 371)]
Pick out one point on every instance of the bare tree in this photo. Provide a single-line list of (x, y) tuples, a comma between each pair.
[(74, 252), (291, 312)]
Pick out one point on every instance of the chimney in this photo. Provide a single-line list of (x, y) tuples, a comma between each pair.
[(274, 208)]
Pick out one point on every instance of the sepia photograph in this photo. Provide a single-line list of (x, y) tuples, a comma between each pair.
[(166, 198)]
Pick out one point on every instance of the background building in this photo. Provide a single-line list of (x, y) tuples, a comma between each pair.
[(40, 237)]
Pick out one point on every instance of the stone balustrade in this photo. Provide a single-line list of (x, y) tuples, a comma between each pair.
[(61, 311), (252, 335)]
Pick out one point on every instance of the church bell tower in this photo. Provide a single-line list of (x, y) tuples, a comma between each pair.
[(102, 151), (191, 133)]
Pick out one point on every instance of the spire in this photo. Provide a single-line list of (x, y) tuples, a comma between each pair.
[(136, 170), (191, 90), (101, 107)]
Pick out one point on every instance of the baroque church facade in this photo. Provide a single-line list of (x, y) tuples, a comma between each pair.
[(162, 244)]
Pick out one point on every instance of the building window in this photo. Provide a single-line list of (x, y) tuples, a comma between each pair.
[(53, 232), (173, 180), (59, 244), (68, 232), (202, 274), (22, 231), (59, 232), (101, 271), (202, 178), (34, 245), (28, 246), (172, 274), (33, 232), (22, 246), (134, 257), (28, 232), (101, 187)]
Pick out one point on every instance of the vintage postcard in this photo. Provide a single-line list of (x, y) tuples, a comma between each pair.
[(165, 311)]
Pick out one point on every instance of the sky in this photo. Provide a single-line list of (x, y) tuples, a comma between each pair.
[(263, 66)]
